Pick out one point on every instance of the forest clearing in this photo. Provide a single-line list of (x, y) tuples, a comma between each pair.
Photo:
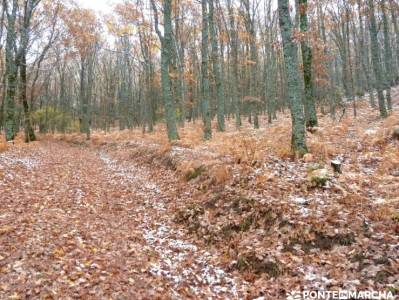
[(213, 149)]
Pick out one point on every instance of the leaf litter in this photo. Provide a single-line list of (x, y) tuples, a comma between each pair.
[(131, 217)]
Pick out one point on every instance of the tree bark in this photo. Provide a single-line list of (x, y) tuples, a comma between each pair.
[(387, 56), (216, 68), (11, 73), (309, 101), (375, 56), (234, 71), (364, 57), (166, 54), (21, 61), (206, 112), (293, 79)]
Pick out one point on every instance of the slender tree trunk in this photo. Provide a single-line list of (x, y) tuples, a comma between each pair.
[(364, 57), (206, 111), (21, 61), (216, 68), (11, 73), (253, 66), (293, 79), (166, 54), (394, 16), (3, 79), (29, 133), (375, 55), (388, 56), (84, 116), (351, 80), (234, 71), (309, 101), (3, 100), (179, 84)]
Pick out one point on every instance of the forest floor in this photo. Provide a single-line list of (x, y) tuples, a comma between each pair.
[(128, 216)]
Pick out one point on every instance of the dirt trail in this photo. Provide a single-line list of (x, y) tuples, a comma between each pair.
[(75, 223)]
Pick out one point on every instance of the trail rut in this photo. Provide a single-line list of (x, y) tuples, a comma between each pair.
[(77, 223)]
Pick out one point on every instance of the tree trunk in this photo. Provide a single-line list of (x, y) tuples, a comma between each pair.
[(309, 101), (364, 57), (253, 54), (206, 112), (387, 57), (375, 56), (29, 133), (216, 69), (166, 54), (293, 79), (21, 61), (84, 116), (234, 71), (394, 16), (352, 95), (11, 73)]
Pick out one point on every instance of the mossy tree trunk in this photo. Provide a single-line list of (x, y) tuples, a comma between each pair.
[(11, 72), (166, 55), (249, 19), (83, 97), (217, 73), (376, 59), (388, 60), (2, 66), (364, 57), (234, 68), (29, 133), (206, 111), (309, 101), (352, 95), (394, 15), (295, 94), (29, 7)]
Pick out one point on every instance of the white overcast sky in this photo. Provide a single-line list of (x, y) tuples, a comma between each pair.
[(103, 6)]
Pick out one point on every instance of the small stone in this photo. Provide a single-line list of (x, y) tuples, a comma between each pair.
[(301, 201), (370, 131), (336, 164), (318, 177)]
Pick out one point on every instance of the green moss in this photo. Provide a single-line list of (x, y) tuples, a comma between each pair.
[(189, 214), (192, 174), (382, 276), (319, 181), (228, 230), (242, 263), (319, 177), (242, 204), (258, 266), (246, 223), (358, 257), (395, 217), (321, 241), (394, 290)]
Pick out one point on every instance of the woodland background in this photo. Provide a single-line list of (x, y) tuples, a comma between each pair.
[(224, 149)]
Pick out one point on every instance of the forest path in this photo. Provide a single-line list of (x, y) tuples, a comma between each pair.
[(76, 223)]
